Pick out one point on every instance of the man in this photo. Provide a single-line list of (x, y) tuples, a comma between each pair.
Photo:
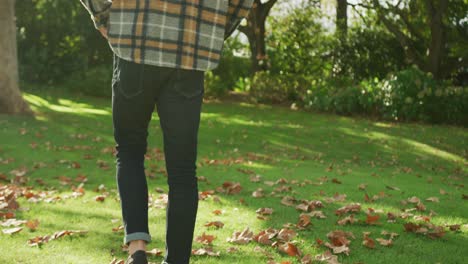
[(161, 50)]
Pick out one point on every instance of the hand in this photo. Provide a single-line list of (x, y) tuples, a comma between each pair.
[(103, 31)]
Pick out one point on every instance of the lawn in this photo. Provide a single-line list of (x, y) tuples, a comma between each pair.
[(309, 157)]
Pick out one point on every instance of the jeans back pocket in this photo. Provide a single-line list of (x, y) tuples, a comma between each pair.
[(189, 83), (128, 77)]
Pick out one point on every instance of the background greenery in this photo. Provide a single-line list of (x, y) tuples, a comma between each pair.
[(365, 73)]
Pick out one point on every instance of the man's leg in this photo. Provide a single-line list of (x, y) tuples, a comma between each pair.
[(132, 106), (179, 106)]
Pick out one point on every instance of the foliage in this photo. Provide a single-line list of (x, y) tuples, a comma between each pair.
[(407, 95), (55, 39), (412, 95), (231, 68), (367, 52)]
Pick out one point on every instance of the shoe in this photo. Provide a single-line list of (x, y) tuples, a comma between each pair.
[(138, 257)]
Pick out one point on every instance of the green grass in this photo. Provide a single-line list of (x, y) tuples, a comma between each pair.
[(418, 159)]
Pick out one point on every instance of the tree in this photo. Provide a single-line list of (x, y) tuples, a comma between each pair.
[(11, 101), (255, 32), (427, 50)]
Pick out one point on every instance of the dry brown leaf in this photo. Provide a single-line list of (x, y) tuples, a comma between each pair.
[(10, 231), (286, 234), (100, 198), (317, 214), (353, 207), (307, 259), (290, 249), (205, 252), (32, 224), (217, 212), (368, 242), (288, 200), (414, 200), (217, 224), (258, 193), (327, 257), (264, 211), (433, 199), (205, 239), (384, 242), (347, 220), (391, 234), (338, 249), (339, 237), (13, 222), (255, 178), (362, 186), (242, 237), (154, 252), (372, 219), (304, 221)]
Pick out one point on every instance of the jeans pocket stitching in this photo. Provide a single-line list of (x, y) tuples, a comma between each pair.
[(180, 78), (139, 80)]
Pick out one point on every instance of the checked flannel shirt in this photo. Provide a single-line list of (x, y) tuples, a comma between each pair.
[(186, 34)]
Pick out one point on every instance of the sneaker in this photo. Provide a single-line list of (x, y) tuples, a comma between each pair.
[(138, 257)]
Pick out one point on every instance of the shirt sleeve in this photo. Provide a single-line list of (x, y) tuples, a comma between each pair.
[(238, 10), (99, 11)]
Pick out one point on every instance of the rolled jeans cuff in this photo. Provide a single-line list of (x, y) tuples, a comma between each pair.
[(137, 236)]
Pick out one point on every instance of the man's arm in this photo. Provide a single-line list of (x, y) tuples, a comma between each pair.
[(99, 11), (238, 10)]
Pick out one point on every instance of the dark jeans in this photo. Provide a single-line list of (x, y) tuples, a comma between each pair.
[(177, 95)]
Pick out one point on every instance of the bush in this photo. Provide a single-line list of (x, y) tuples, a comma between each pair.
[(407, 95), (413, 95), (94, 82)]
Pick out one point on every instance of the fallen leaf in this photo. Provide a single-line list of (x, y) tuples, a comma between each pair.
[(242, 237), (290, 249), (347, 220), (286, 234), (362, 186), (217, 212), (205, 252), (368, 242), (32, 224), (384, 242), (154, 252), (217, 224), (264, 211), (328, 257), (205, 239), (353, 207), (11, 231), (433, 199), (372, 219)]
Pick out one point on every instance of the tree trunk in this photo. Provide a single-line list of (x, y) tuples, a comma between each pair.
[(436, 10), (255, 32), (11, 101), (342, 18)]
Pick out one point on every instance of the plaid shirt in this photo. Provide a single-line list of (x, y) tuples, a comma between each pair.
[(186, 34)]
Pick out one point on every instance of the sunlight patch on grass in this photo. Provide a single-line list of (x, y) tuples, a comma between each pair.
[(416, 146), (209, 115), (64, 106), (256, 165), (421, 147), (384, 125), (237, 121), (434, 151)]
